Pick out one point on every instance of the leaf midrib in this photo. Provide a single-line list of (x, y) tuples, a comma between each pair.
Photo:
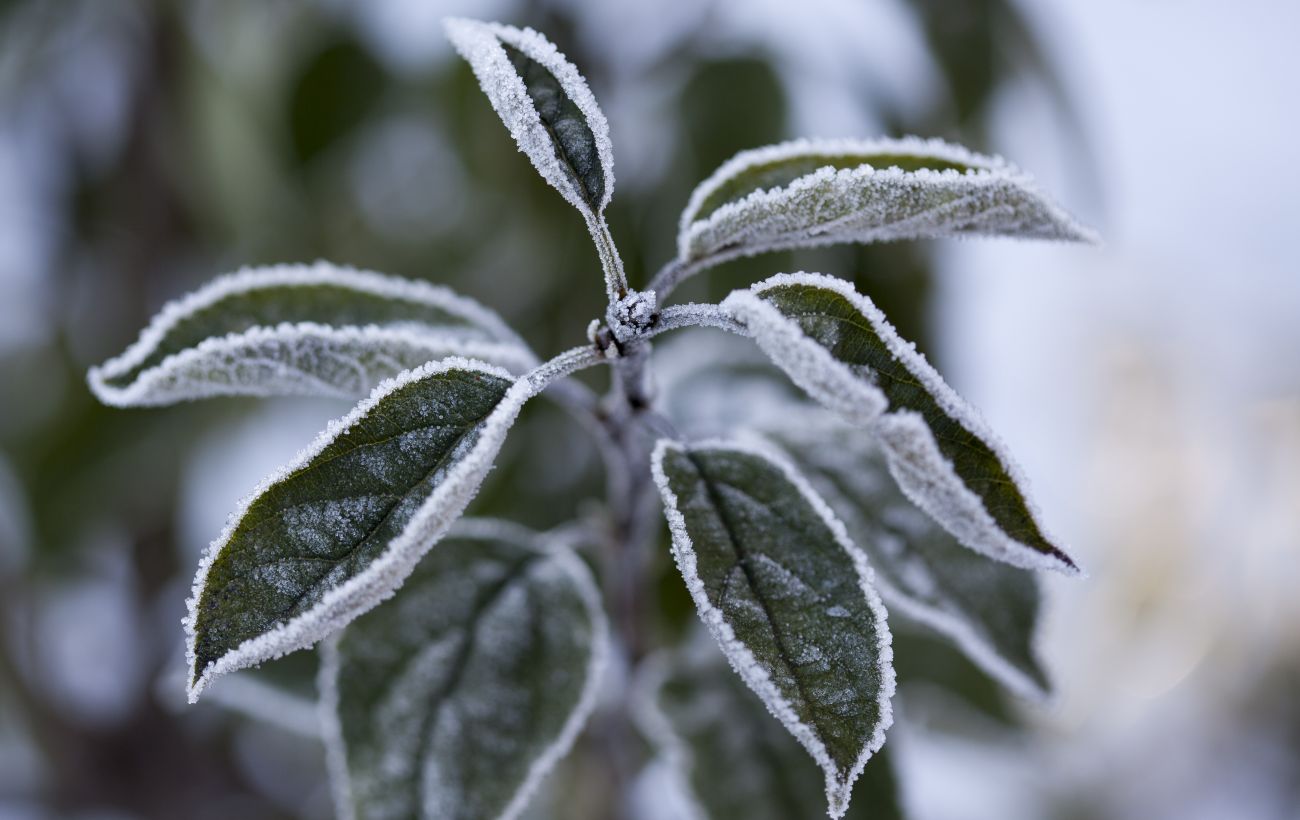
[(744, 556)]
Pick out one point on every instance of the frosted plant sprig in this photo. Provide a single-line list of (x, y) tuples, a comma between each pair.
[(462, 656)]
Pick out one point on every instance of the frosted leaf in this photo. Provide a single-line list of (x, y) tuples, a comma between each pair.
[(546, 105), (837, 345), (765, 560), (300, 329), (336, 531), (455, 698), (988, 609), (819, 192), (734, 760)]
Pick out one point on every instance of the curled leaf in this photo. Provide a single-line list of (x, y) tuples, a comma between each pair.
[(818, 192), (546, 105), (838, 346), (300, 330), (988, 609)]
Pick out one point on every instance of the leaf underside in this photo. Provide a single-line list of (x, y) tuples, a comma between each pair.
[(827, 317), (806, 193), (780, 173), (573, 141), (323, 523), (322, 303), (769, 566), (741, 763), (454, 697)]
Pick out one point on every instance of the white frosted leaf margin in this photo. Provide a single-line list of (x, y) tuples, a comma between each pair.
[(868, 204), (573, 567), (303, 359), (382, 576), (924, 474), (480, 44), (838, 788), (478, 319), (808, 364)]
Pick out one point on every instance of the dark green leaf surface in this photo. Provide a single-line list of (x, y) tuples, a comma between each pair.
[(741, 763), (338, 530), (833, 342), (788, 598), (987, 608), (574, 143), (453, 699), (817, 192)]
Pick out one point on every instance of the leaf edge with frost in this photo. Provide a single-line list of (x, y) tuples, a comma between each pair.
[(985, 170), (479, 43), (483, 528), (382, 576), (253, 278), (903, 431), (742, 660)]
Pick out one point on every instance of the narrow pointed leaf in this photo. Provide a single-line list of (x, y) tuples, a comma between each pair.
[(300, 330), (788, 598), (546, 105), (455, 698), (734, 759), (819, 192), (988, 609), (340, 528), (838, 346)]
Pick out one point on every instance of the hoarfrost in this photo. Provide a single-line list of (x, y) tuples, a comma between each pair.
[(839, 783), (921, 469), (456, 638), (847, 199), (989, 610), (481, 45), (223, 340), (351, 596)]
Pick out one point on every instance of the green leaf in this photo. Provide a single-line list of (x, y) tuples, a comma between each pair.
[(988, 609), (837, 346), (736, 761), (340, 528), (455, 698), (300, 329), (546, 105), (805, 193), (788, 598)]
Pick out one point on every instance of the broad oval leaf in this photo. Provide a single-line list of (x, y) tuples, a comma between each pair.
[(838, 346), (818, 192), (735, 761), (546, 105), (455, 698), (988, 609), (336, 531), (787, 596), (300, 329)]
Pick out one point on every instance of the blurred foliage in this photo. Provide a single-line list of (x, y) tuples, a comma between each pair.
[(181, 139)]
